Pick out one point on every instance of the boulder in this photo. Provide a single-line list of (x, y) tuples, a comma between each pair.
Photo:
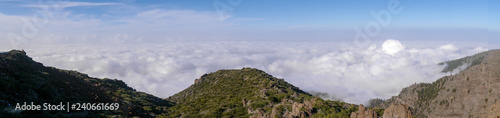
[(261, 113), (244, 102), (296, 109), (258, 113), (302, 110), (274, 112)]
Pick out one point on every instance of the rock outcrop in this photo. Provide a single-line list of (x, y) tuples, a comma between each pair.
[(472, 92), (397, 111), (364, 113), (302, 109)]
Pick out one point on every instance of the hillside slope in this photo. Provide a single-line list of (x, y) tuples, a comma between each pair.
[(474, 92), (24, 80), (250, 92)]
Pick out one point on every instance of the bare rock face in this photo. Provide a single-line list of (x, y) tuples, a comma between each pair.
[(397, 111), (473, 92), (303, 109), (364, 113), (261, 113), (310, 103), (274, 112), (370, 114), (296, 109), (258, 113), (246, 102), (198, 81)]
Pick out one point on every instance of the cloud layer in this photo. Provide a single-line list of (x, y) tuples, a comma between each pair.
[(351, 74)]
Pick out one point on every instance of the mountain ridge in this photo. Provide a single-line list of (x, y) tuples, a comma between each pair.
[(473, 92), (24, 80)]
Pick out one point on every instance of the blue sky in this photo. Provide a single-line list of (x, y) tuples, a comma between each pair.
[(253, 20)]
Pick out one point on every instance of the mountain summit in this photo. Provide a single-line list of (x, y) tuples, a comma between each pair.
[(251, 92)]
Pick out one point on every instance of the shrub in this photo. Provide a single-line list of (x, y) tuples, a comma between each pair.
[(428, 92), (260, 104), (273, 99), (379, 111), (147, 108)]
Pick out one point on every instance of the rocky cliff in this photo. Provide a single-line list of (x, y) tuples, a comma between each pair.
[(474, 92), (364, 113), (397, 111)]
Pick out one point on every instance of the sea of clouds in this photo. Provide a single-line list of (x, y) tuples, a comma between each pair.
[(345, 72)]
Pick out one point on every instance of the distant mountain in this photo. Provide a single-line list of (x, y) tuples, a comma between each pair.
[(243, 92), (473, 92), (465, 62), (24, 80)]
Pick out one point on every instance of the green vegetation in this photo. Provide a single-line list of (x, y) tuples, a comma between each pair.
[(454, 90), (377, 102), (234, 92), (428, 92), (472, 60), (332, 109), (444, 102), (380, 111)]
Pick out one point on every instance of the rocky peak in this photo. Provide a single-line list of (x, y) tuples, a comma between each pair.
[(364, 113), (397, 111)]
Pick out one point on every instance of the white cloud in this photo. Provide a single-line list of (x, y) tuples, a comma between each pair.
[(158, 25), (392, 46), (153, 24), (354, 75), (448, 47)]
